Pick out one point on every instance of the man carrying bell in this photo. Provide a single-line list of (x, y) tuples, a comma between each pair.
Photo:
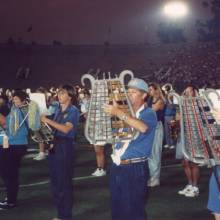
[(129, 172)]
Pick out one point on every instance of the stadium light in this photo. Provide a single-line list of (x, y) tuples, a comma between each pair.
[(176, 9)]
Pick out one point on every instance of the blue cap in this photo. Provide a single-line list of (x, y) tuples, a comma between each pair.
[(139, 84)]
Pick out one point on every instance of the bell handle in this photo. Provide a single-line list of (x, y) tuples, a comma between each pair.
[(87, 76), (124, 73), (171, 95)]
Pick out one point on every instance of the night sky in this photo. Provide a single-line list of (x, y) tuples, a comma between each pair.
[(88, 21)]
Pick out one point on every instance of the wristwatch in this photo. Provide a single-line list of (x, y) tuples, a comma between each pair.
[(123, 117)]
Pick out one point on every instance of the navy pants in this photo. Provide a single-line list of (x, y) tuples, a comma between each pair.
[(10, 160), (128, 186), (61, 174)]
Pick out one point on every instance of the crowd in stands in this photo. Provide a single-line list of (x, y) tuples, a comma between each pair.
[(179, 64), (196, 64)]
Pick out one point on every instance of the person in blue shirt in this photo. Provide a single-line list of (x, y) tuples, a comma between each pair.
[(214, 183), (214, 193), (169, 117), (61, 152), (12, 152), (129, 172)]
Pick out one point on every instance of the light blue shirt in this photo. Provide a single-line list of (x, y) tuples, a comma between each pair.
[(21, 136), (142, 145)]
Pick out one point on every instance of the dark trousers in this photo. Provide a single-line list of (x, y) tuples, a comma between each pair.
[(10, 160), (128, 186), (61, 173)]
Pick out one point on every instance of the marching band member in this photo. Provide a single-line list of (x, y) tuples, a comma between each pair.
[(42, 148), (157, 103), (100, 161), (191, 169), (169, 116), (214, 183), (13, 148), (62, 152), (4, 111), (214, 193), (129, 172), (4, 104), (84, 101)]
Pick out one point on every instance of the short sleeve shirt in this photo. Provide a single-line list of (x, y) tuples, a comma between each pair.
[(142, 145), (71, 115)]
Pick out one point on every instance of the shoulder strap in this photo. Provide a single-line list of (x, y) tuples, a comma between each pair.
[(24, 121)]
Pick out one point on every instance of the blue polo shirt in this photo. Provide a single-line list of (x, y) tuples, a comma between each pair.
[(71, 114), (142, 145)]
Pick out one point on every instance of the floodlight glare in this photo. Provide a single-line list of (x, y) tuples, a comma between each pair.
[(175, 9)]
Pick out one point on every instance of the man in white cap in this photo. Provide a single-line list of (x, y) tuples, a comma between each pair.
[(129, 172)]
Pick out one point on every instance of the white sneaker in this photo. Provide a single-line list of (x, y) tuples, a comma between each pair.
[(166, 146), (99, 172), (172, 147), (40, 156), (153, 182), (187, 188), (193, 192)]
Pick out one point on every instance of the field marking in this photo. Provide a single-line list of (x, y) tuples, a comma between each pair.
[(47, 182), (81, 178)]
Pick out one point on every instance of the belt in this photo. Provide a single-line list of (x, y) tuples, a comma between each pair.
[(134, 160), (63, 138)]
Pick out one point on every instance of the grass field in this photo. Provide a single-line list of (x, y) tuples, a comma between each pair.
[(91, 195)]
